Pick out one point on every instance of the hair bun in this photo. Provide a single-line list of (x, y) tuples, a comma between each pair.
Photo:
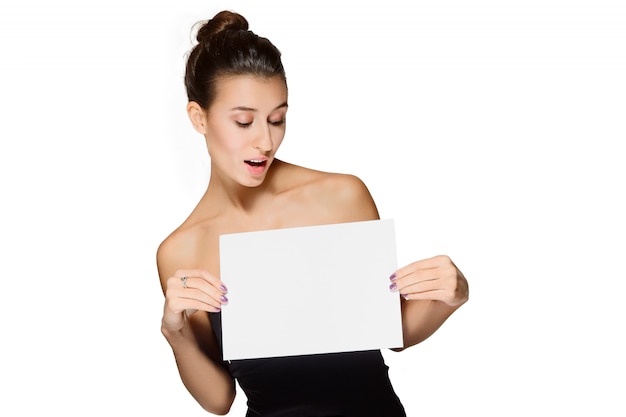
[(222, 22), (227, 47)]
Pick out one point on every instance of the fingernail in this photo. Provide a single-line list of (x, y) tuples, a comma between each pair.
[(223, 288), (405, 296), (223, 299), (218, 309), (393, 277), (393, 287)]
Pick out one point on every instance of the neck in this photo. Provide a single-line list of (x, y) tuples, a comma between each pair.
[(226, 193)]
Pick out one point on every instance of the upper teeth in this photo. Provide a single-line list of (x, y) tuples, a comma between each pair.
[(258, 161)]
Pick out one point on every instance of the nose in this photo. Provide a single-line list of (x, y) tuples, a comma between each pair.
[(263, 140)]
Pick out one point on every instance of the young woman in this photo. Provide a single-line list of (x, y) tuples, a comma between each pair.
[(237, 94)]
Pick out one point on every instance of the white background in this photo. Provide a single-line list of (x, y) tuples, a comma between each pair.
[(489, 130)]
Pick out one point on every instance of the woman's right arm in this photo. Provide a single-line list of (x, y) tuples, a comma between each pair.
[(187, 328)]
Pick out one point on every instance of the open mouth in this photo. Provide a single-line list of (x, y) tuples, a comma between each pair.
[(256, 162)]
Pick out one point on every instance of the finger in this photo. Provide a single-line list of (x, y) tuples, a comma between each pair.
[(176, 293), (196, 289), (204, 292), (445, 296), (436, 295), (199, 295), (421, 287), (201, 274), (415, 277), (178, 304), (206, 287), (429, 263)]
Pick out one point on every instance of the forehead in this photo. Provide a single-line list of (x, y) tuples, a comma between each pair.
[(250, 91)]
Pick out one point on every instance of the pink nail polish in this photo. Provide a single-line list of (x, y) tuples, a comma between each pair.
[(393, 287), (223, 299), (393, 277)]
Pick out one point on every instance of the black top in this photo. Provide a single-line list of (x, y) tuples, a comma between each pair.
[(354, 384)]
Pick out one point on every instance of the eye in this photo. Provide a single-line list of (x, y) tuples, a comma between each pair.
[(243, 124), (277, 122)]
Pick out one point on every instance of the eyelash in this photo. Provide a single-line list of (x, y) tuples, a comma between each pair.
[(247, 125)]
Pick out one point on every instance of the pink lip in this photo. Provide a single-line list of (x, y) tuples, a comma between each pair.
[(256, 168)]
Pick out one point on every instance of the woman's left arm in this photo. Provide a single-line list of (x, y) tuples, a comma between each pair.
[(431, 290)]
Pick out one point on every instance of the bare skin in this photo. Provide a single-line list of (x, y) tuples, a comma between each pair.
[(246, 123)]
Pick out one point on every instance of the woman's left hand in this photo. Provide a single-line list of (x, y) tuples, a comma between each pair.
[(431, 279)]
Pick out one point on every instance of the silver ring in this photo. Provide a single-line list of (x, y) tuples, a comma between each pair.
[(184, 280)]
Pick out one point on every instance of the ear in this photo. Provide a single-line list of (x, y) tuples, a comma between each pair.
[(197, 116)]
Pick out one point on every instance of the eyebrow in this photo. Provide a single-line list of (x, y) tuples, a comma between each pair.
[(244, 108)]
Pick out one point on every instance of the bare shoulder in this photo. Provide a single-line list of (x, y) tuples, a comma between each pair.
[(344, 191), (177, 250), (345, 197)]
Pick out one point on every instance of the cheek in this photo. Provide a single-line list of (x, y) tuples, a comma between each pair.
[(278, 139), (225, 140)]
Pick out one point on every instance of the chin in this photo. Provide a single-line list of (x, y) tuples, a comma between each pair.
[(252, 185), (252, 182)]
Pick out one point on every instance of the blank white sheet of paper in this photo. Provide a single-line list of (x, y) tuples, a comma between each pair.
[(310, 290)]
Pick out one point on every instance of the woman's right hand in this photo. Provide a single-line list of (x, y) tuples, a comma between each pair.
[(188, 291)]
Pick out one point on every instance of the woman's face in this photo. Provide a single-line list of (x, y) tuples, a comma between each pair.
[(244, 126)]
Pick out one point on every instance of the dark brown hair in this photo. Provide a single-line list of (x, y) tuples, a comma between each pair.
[(226, 47)]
